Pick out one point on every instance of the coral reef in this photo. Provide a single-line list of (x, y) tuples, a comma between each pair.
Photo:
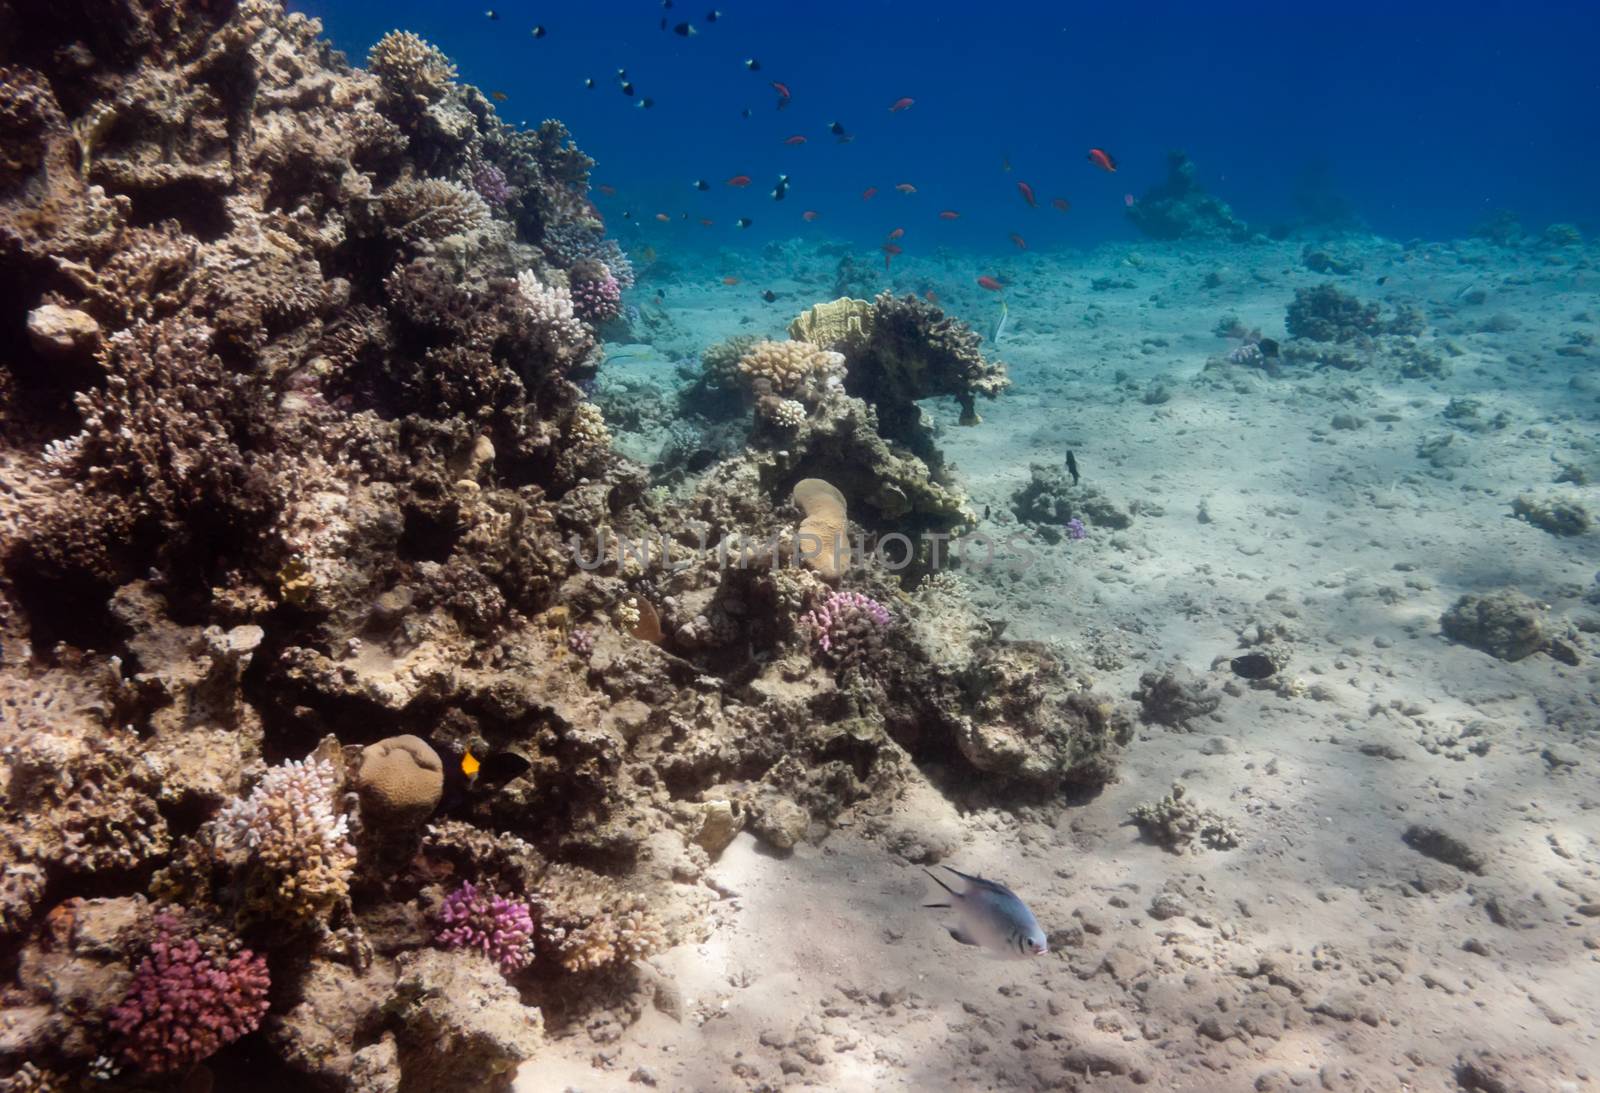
[(1179, 208), (1055, 505), (295, 401)]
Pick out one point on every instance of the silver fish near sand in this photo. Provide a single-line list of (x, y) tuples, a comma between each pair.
[(992, 916)]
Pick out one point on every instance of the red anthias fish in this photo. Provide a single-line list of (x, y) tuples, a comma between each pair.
[(796, 139), (869, 193), (902, 104), (1060, 204), (809, 215), (896, 234), (1027, 195), (739, 180), (989, 283), (889, 251), (949, 214), (1022, 244), (1102, 159)]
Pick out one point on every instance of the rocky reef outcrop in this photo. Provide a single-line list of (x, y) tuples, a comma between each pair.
[(330, 617), (1180, 208)]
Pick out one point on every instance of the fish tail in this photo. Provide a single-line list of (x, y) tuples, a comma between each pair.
[(941, 883)]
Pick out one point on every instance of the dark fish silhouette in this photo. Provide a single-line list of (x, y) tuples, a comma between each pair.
[(1072, 466), (1253, 666)]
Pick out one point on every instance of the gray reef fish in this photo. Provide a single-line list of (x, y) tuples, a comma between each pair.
[(992, 916)]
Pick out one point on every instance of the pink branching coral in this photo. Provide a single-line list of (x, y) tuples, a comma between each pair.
[(848, 626), (188, 998), (498, 927), (581, 641), (598, 300)]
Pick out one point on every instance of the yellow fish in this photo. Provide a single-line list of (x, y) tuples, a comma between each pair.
[(470, 765)]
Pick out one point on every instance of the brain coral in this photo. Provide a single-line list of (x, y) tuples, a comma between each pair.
[(400, 778)]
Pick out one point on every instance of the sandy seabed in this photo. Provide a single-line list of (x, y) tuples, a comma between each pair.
[(1334, 514)]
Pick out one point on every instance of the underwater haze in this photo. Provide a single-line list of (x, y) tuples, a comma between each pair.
[(1415, 119), (881, 546)]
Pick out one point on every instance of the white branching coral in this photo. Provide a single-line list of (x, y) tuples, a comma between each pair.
[(410, 67), (565, 337), (783, 412), (589, 425), (294, 838)]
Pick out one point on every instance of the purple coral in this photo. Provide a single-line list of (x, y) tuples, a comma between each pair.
[(498, 927), (598, 300), (188, 998), (848, 625), (581, 641), (492, 185), (1076, 530)]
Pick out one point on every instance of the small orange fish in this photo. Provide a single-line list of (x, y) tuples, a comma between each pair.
[(896, 234), (949, 214), (1060, 204), (906, 188), (783, 93), (664, 218), (889, 251), (989, 283), (796, 139), (499, 96), (809, 215), (1027, 195), (931, 296), (470, 765), (739, 180), (705, 222), (1022, 244), (730, 280), (902, 104), (609, 191), (869, 193), (1102, 159)]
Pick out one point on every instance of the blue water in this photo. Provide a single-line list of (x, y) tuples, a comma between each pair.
[(1422, 117)]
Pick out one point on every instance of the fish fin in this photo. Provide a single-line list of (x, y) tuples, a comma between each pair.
[(961, 935), (982, 882), (946, 906), (941, 883)]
